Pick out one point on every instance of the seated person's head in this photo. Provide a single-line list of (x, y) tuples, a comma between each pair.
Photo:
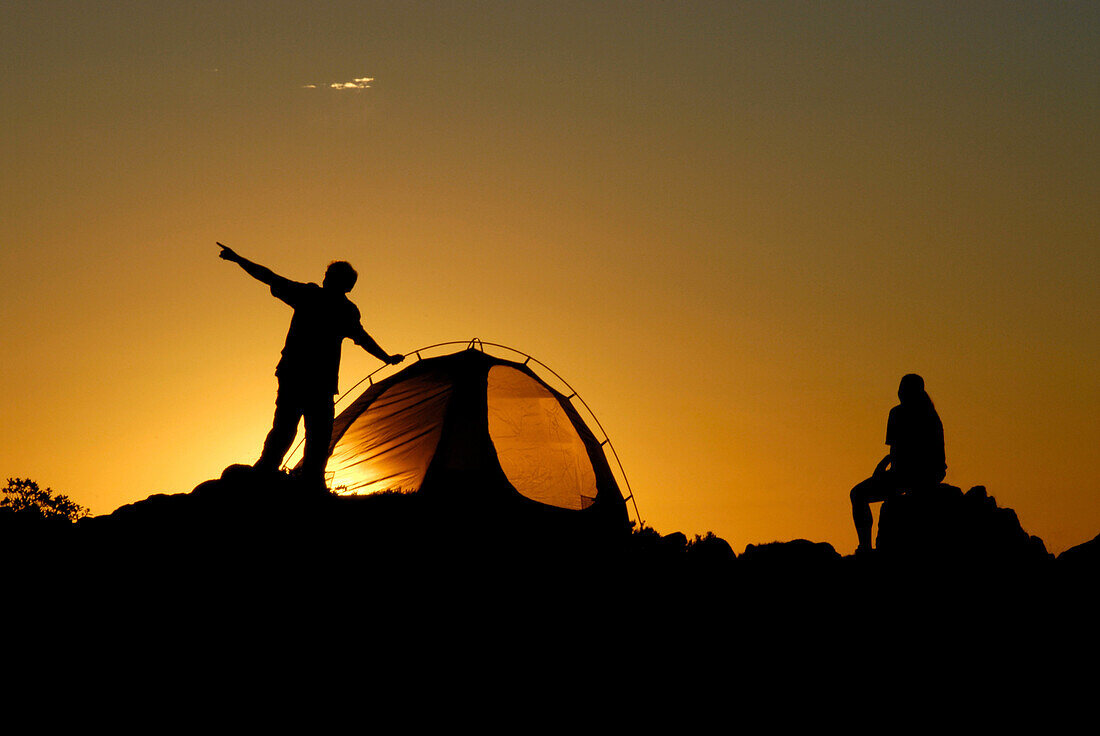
[(911, 388)]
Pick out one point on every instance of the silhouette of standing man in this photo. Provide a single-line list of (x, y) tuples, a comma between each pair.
[(309, 368), (916, 460)]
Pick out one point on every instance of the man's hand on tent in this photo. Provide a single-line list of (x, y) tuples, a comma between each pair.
[(395, 359), (228, 254)]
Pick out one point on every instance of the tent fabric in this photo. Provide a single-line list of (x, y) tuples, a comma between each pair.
[(391, 443), (476, 422), (539, 451)]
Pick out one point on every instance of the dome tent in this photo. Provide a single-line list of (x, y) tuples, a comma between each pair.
[(474, 425)]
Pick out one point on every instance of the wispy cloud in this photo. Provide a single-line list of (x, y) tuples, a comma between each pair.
[(357, 83), (360, 83)]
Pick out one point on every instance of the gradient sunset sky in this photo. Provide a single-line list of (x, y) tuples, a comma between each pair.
[(731, 226)]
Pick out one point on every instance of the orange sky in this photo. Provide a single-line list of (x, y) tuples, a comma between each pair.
[(731, 226)]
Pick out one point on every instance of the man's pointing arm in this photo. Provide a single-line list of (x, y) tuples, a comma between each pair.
[(256, 271)]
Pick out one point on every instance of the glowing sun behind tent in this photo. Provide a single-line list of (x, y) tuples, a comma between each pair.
[(389, 445)]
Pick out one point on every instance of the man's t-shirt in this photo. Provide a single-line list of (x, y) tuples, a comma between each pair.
[(322, 319), (915, 437)]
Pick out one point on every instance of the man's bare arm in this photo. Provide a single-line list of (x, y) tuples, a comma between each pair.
[(255, 270), (368, 343)]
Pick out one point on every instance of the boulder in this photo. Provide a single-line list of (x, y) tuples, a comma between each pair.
[(710, 551), (798, 554), (943, 525), (1083, 558)]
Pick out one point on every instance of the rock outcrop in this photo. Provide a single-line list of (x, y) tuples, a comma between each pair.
[(1084, 558), (944, 526)]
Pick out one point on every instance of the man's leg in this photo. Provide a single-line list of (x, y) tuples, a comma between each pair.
[(288, 410), (319, 417)]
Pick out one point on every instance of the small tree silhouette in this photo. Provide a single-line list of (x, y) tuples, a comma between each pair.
[(23, 494)]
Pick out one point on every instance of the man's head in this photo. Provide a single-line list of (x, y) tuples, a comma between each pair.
[(340, 276)]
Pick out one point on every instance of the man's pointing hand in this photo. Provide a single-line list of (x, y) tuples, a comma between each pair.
[(227, 253)]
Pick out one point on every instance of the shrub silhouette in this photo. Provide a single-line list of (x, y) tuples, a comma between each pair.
[(24, 494)]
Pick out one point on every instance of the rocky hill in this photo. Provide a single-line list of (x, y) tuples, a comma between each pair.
[(244, 526), (248, 561)]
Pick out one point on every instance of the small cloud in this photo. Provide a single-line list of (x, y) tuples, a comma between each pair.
[(357, 83)]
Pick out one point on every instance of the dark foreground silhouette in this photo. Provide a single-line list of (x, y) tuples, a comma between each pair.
[(248, 578), (253, 526)]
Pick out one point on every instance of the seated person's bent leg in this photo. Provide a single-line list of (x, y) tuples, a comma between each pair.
[(876, 488), (862, 496)]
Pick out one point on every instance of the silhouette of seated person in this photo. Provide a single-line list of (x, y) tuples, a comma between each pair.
[(916, 460), (308, 370)]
